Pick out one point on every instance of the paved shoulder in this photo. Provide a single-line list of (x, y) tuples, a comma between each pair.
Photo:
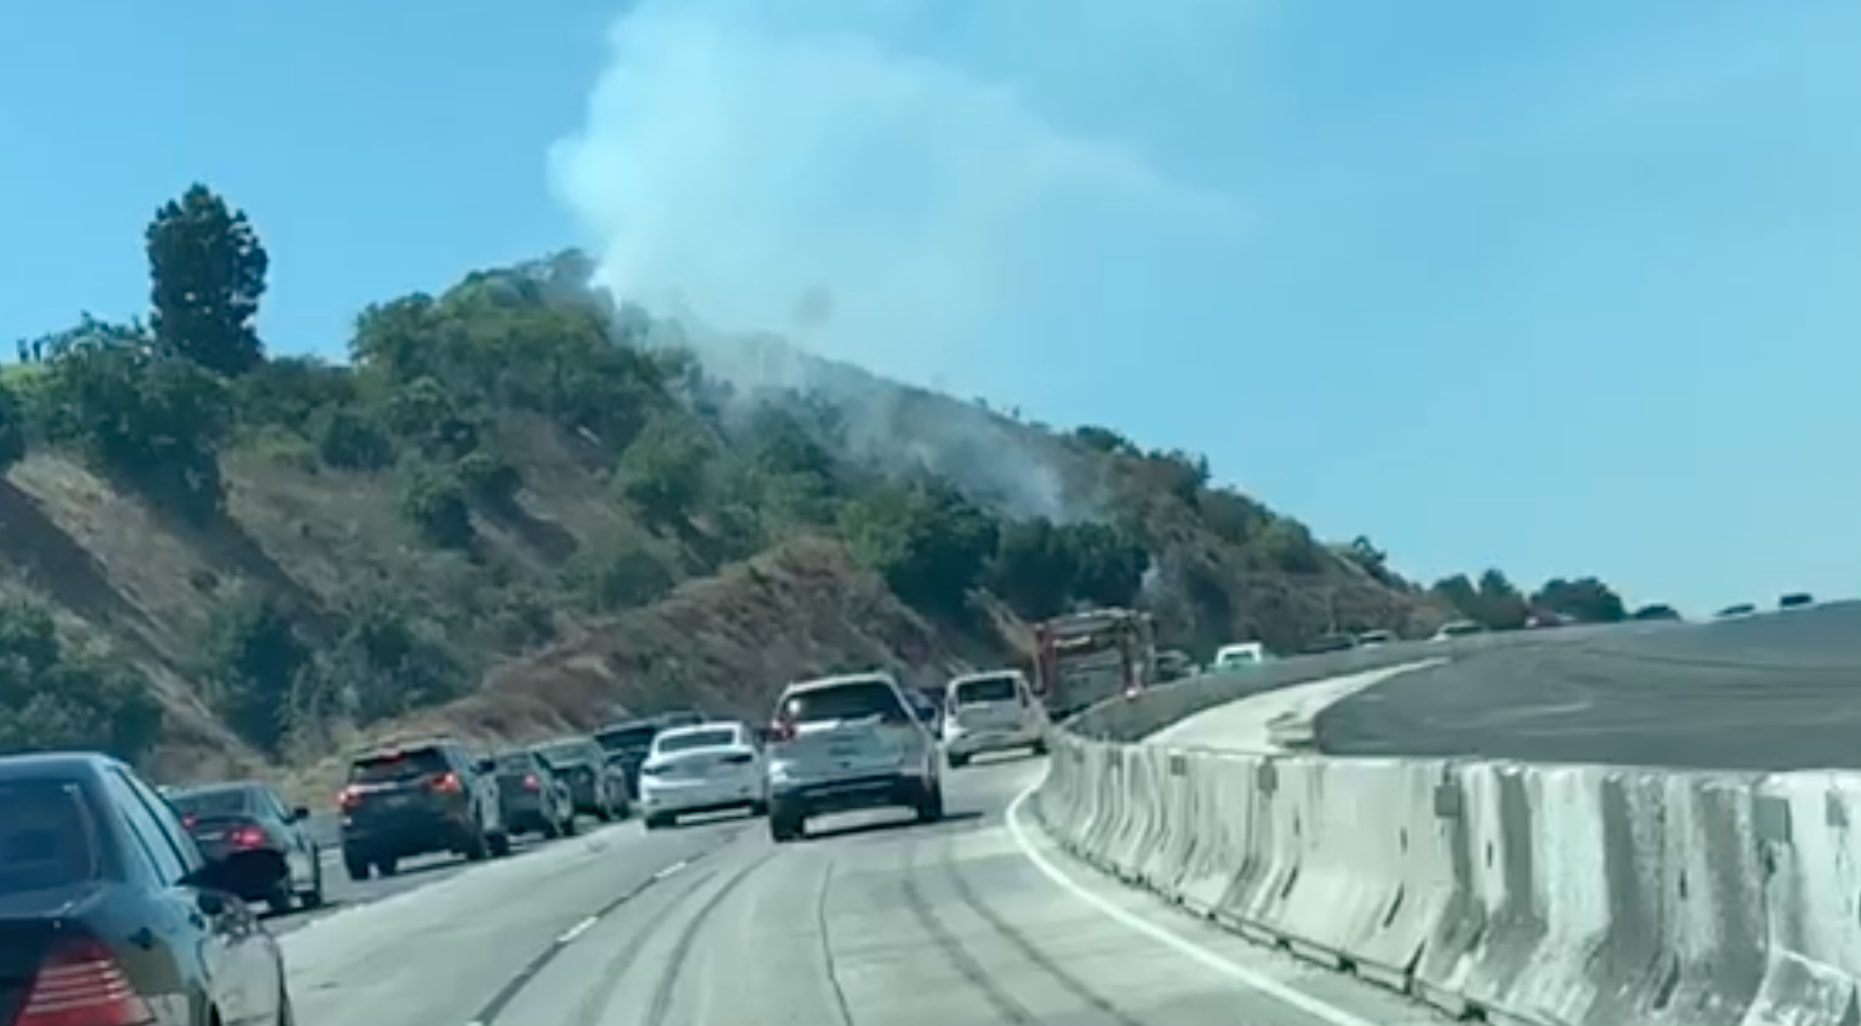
[(1255, 723)]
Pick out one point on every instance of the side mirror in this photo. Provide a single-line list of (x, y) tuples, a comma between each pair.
[(300, 814)]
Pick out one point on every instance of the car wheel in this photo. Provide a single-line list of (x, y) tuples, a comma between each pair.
[(759, 809), (500, 844), (356, 866), (787, 825), (930, 806), (958, 761), (313, 898), (387, 866), (552, 829), (280, 899), (1040, 748), (476, 846), (604, 812), (570, 825)]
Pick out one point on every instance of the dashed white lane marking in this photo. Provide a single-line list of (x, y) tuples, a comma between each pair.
[(569, 935), (671, 869), (1272, 988)]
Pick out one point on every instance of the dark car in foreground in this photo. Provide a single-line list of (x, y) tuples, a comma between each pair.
[(109, 915), (419, 798), (595, 789), (249, 820), (535, 799)]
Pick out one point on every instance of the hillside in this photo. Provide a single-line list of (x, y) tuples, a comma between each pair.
[(518, 507)]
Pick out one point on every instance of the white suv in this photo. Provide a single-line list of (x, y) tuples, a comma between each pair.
[(844, 743), (991, 712)]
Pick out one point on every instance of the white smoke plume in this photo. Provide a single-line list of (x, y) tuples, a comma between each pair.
[(873, 181)]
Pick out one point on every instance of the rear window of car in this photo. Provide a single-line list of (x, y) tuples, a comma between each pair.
[(986, 689), (516, 762), (685, 741), (855, 701), (47, 837), (564, 753), (221, 801), (394, 767), (620, 738)]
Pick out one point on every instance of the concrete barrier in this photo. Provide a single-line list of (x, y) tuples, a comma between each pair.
[(1527, 895)]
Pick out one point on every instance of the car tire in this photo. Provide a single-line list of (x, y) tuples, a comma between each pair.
[(1039, 748), (477, 846), (787, 824), (605, 813), (659, 822), (313, 898), (930, 804), (958, 761), (356, 866), (280, 900), (552, 829), (499, 843), (388, 866), (759, 809), (571, 826)]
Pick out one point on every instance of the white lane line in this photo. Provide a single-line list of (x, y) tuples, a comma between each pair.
[(569, 935), (1272, 988), (671, 869)]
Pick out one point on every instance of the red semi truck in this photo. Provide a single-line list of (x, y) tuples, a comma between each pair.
[(1085, 658)]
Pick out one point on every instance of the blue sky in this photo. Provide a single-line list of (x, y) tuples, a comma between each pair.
[(1567, 287)]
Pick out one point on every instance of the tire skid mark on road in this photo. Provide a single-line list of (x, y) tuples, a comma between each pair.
[(828, 965), (488, 1014), (1069, 982), (1005, 1004), (595, 999), (667, 987)]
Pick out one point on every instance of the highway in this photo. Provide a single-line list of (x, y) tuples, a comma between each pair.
[(1771, 693), (977, 920)]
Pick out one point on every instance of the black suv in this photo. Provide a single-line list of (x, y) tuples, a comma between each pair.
[(628, 743), (417, 798)]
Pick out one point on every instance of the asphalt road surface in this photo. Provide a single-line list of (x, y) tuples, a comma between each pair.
[(1770, 693), (976, 920)]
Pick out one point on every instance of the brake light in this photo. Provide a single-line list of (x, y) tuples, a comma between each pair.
[(189, 821), (81, 984), (247, 837), (349, 798), (530, 783), (782, 729), (447, 782)]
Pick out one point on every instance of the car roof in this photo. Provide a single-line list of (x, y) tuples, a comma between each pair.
[(822, 683), (700, 728), (220, 787), (55, 765)]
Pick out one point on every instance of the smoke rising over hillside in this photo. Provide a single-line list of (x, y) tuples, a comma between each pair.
[(875, 182)]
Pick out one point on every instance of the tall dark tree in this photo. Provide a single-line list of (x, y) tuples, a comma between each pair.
[(207, 273)]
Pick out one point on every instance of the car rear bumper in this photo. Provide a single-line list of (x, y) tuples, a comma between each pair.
[(850, 794), (657, 799), (982, 742), (414, 833)]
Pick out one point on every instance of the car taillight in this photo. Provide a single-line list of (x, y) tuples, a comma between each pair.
[(530, 783), (247, 837), (446, 782), (782, 729), (81, 984), (190, 821), (349, 798)]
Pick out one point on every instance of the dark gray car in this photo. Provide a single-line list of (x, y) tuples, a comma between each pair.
[(418, 798), (594, 789), (247, 820), (534, 797)]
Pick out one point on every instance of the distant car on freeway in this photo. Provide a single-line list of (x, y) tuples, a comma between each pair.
[(928, 707), (1174, 664), (1734, 612), (1238, 655), (1457, 629), (597, 789), (1371, 639), (417, 798), (249, 821), (1796, 600), (712, 767), (533, 797), (993, 711), (837, 744), (110, 914), (632, 740), (1339, 642)]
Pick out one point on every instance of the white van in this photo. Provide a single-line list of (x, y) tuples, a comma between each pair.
[(993, 711)]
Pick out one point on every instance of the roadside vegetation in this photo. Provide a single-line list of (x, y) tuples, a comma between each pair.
[(517, 506)]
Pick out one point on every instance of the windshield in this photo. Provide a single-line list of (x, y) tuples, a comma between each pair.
[(987, 689), (687, 740), (219, 801), (852, 701), (397, 767), (47, 838), (635, 736)]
